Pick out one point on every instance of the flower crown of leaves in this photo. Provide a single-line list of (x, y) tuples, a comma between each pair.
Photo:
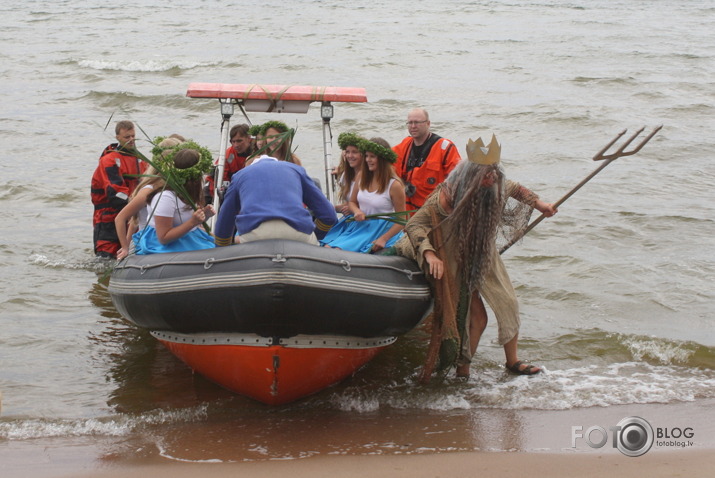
[(157, 152), (164, 161), (381, 152), (280, 126), (349, 139), (255, 130)]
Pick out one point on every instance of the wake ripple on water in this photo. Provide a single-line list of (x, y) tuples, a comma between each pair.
[(128, 102)]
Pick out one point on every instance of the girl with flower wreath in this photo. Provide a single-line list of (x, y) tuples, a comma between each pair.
[(134, 216), (348, 171), (258, 140), (278, 143), (378, 191), (173, 222)]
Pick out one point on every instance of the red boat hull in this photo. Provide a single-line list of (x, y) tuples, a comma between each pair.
[(275, 320), (273, 374)]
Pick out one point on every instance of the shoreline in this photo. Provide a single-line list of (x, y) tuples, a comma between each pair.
[(508, 442), (693, 463)]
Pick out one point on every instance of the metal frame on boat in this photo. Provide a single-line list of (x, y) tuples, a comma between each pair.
[(277, 99)]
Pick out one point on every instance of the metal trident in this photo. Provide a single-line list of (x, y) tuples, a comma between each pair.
[(607, 159)]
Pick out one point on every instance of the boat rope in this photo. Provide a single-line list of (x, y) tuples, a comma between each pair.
[(208, 263)]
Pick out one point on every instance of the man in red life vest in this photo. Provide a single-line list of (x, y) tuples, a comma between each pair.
[(113, 182), (236, 155), (424, 159)]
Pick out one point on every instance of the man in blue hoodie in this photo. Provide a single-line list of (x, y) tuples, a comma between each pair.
[(273, 199)]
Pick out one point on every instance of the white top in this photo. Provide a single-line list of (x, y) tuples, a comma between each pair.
[(374, 202), (167, 204), (352, 186), (143, 214), (262, 157)]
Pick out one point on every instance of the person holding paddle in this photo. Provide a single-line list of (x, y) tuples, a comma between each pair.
[(453, 239)]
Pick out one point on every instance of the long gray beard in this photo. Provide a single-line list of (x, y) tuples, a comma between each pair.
[(474, 225)]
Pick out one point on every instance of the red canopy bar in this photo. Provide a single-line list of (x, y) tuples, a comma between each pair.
[(277, 92)]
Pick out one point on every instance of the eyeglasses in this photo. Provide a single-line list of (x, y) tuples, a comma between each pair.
[(415, 123)]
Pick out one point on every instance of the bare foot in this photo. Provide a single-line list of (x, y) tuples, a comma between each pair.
[(463, 370)]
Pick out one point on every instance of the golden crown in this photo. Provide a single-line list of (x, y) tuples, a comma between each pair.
[(479, 154)]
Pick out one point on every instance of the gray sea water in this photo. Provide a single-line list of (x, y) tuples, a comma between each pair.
[(616, 290)]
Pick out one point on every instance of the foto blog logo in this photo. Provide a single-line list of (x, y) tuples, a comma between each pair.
[(633, 436)]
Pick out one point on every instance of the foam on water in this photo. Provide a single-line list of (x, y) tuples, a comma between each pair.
[(140, 65), (92, 264), (119, 425), (47, 428), (663, 352), (616, 384), (585, 369), (357, 402), (165, 453), (578, 387)]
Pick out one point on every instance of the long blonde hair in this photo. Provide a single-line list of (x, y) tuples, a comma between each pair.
[(347, 176)]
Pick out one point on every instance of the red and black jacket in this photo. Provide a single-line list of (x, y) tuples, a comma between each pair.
[(113, 182)]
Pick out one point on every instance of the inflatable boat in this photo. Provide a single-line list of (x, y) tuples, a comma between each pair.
[(274, 320)]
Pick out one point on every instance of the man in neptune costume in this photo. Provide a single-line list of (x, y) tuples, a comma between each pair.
[(453, 239)]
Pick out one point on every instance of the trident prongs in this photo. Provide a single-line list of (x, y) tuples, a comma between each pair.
[(622, 150), (599, 156)]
